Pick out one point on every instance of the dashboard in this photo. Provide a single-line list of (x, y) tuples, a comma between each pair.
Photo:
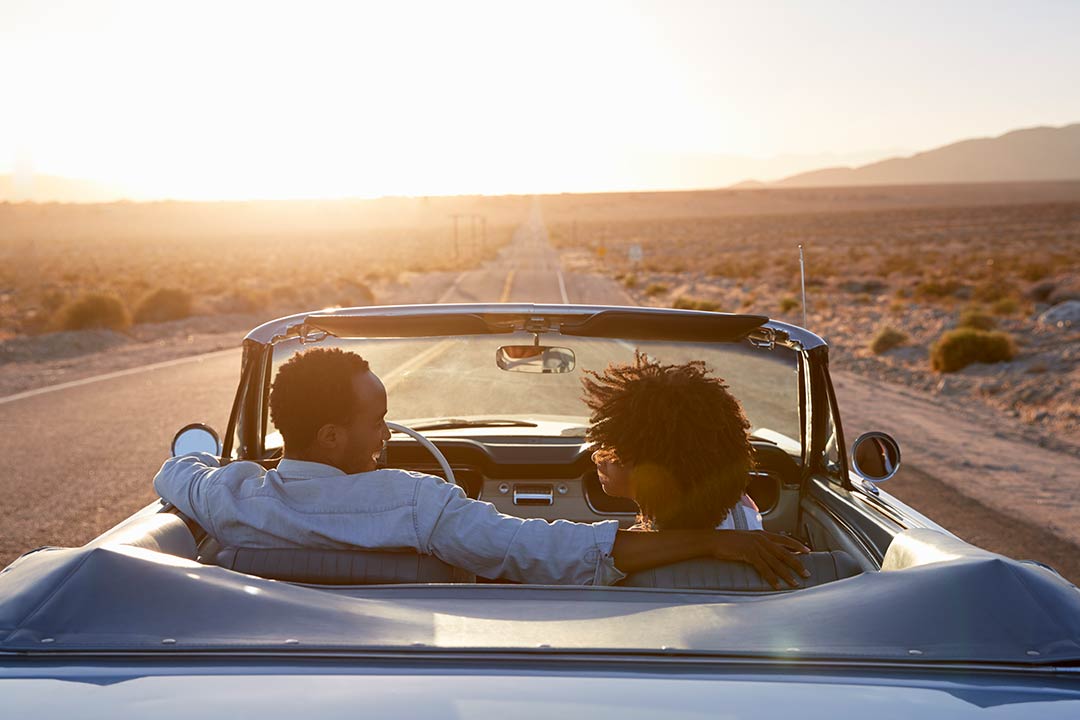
[(554, 477)]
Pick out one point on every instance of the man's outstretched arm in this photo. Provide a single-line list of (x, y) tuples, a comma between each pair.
[(772, 555)]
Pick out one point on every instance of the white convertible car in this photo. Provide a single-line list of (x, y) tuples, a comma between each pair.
[(899, 618)]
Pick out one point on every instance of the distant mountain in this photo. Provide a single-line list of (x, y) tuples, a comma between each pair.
[(50, 188), (1042, 153)]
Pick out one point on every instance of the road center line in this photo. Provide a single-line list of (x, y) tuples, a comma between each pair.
[(562, 287), (395, 376), (117, 374), (507, 285), (450, 290)]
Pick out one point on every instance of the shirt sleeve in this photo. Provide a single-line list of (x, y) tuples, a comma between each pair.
[(474, 536), (185, 481)]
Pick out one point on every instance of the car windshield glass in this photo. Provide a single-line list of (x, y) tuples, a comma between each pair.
[(457, 378)]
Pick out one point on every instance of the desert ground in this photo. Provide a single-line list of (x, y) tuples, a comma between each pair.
[(908, 263)]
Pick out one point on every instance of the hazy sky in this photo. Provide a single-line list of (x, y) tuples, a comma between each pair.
[(261, 99)]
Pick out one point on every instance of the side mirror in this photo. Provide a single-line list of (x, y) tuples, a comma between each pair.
[(875, 456), (535, 359), (196, 437)]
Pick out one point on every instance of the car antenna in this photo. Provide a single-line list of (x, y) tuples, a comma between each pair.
[(802, 282)]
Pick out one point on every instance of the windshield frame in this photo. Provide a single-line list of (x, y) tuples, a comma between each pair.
[(247, 429)]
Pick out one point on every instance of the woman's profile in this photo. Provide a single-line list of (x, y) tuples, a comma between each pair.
[(676, 441)]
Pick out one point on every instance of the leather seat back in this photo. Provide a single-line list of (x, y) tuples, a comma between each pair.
[(707, 574), (161, 532), (340, 567)]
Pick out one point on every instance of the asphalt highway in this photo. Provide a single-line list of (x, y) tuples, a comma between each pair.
[(77, 458)]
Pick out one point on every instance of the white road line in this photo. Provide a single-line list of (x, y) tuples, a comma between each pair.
[(508, 285), (450, 290), (117, 374), (562, 287), (395, 376)]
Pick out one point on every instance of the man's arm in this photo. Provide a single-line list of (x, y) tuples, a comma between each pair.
[(181, 481), (772, 555)]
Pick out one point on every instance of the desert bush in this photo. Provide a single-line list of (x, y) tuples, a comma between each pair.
[(95, 310), (992, 291), (1033, 272), (959, 348), (358, 294), (162, 305), (684, 302), (788, 304), (1005, 306), (241, 301), (976, 319), (937, 288), (630, 280), (655, 289), (886, 339), (897, 308)]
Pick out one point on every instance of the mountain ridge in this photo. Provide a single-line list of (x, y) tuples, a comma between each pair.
[(1034, 154)]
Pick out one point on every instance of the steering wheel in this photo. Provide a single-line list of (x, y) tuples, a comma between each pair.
[(429, 446)]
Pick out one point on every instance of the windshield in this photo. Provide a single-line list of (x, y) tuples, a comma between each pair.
[(429, 379)]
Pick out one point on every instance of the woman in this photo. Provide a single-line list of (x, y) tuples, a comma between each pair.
[(676, 441)]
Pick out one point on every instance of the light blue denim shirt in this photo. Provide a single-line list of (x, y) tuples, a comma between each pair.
[(305, 504)]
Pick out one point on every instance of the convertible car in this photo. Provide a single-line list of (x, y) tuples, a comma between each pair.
[(898, 617)]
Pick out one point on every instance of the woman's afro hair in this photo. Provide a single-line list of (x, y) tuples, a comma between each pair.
[(684, 432)]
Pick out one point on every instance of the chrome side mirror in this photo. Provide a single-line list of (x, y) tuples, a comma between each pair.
[(196, 437), (875, 456), (535, 359)]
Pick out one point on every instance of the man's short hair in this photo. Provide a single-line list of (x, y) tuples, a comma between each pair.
[(682, 429), (311, 389)]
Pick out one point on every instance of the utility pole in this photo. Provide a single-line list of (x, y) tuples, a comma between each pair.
[(456, 216)]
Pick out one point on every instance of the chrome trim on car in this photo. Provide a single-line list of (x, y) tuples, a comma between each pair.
[(292, 325)]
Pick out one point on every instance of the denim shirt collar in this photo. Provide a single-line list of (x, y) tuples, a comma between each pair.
[(305, 470)]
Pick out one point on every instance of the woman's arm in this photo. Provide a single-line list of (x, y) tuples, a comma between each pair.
[(772, 555)]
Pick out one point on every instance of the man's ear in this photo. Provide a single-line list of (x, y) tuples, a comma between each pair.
[(328, 436)]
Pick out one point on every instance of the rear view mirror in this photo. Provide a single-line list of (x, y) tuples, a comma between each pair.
[(875, 456), (196, 437), (535, 359)]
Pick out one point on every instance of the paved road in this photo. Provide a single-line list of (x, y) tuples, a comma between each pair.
[(77, 459)]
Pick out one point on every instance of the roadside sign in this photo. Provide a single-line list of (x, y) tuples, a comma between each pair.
[(635, 253)]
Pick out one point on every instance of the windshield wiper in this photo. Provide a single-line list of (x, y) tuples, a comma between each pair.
[(452, 423)]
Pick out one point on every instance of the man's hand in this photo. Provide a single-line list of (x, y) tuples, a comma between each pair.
[(773, 556)]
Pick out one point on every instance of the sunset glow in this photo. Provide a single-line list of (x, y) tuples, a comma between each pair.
[(265, 100)]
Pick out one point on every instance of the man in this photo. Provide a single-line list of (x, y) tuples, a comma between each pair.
[(327, 493)]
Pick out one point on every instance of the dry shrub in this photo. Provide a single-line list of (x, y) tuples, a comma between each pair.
[(788, 304), (1005, 306), (936, 288), (959, 348), (1033, 272), (163, 305), (656, 289), (993, 290), (684, 302), (242, 302), (95, 310), (886, 339), (976, 320), (357, 294), (630, 280)]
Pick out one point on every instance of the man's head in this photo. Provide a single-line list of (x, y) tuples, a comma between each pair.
[(672, 438), (330, 408)]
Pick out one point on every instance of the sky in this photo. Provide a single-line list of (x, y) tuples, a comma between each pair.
[(236, 100)]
